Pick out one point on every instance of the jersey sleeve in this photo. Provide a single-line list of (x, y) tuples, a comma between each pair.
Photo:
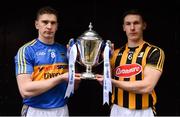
[(24, 61), (156, 59)]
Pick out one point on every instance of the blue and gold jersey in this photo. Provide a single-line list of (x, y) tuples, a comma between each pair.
[(43, 62)]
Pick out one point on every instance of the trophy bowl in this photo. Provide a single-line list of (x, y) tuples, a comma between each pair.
[(89, 47)]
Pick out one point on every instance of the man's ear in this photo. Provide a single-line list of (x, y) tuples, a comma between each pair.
[(123, 27), (36, 24), (57, 26), (145, 25)]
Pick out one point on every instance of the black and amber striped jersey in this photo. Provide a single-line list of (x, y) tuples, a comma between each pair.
[(128, 65)]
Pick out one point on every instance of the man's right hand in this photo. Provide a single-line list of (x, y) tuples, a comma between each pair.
[(100, 78)]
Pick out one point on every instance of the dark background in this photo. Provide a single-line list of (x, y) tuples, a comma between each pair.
[(17, 28)]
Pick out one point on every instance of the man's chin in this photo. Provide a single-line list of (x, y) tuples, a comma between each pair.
[(49, 37), (133, 38)]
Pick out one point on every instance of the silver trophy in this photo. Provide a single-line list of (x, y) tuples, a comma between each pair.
[(89, 46)]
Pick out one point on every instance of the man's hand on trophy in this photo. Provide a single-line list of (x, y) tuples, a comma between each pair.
[(99, 78), (77, 80), (77, 77), (66, 75), (111, 50)]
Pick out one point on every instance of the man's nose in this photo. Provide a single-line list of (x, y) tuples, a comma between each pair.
[(132, 27), (49, 25)]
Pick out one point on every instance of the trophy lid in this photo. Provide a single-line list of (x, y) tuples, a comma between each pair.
[(90, 34)]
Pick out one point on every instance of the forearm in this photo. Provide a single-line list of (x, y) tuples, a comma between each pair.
[(77, 81), (34, 88), (134, 86)]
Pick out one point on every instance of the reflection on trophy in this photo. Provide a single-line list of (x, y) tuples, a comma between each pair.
[(89, 45)]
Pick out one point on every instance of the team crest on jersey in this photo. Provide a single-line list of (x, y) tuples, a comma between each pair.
[(128, 70), (53, 55)]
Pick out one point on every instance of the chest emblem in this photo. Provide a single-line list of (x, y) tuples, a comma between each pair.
[(53, 55)]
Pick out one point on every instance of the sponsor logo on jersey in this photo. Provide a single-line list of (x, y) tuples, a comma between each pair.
[(128, 70), (141, 54), (50, 75), (48, 71), (40, 53), (51, 67), (120, 54)]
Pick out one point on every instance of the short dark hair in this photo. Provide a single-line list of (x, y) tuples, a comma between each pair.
[(46, 10), (133, 12)]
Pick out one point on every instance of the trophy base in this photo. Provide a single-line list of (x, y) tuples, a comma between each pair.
[(88, 76)]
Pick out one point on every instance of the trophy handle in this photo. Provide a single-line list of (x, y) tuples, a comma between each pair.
[(104, 44), (79, 62), (110, 46), (70, 44)]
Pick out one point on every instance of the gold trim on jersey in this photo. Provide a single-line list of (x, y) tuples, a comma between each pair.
[(21, 57)]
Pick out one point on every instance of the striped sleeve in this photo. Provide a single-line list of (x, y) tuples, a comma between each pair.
[(156, 58), (23, 60)]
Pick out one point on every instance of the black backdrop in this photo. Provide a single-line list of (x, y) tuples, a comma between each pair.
[(17, 28)]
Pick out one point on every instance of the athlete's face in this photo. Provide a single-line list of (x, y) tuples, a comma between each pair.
[(47, 26), (134, 26)]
